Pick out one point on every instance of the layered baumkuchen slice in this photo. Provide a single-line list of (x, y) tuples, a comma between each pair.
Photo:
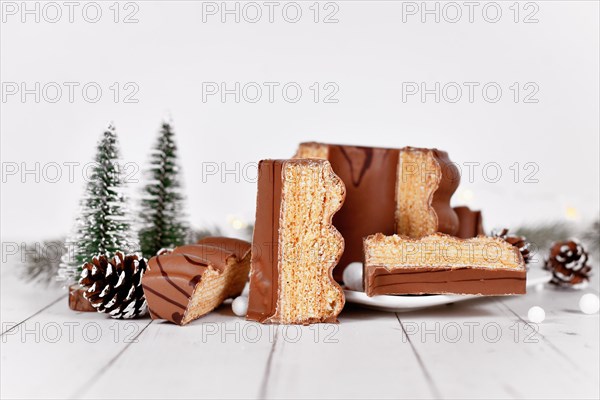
[(426, 181), (193, 280), (295, 245), (405, 191), (442, 264)]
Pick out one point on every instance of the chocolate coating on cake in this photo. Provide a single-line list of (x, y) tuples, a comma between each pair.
[(442, 264), (462, 280), (173, 281), (470, 222), (264, 278), (371, 178), (295, 245), (369, 174)]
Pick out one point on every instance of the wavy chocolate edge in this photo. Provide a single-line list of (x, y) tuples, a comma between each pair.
[(369, 174), (340, 239), (437, 204), (447, 220)]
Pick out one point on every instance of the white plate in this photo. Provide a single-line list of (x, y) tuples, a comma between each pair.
[(398, 303)]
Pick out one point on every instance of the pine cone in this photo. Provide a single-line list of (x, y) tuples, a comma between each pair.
[(520, 242), (568, 262), (114, 285)]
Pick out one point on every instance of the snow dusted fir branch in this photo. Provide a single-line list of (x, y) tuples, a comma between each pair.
[(42, 261), (162, 202), (103, 225)]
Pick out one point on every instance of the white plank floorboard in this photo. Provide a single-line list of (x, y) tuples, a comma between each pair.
[(498, 363), (566, 329), (19, 300), (363, 356), (368, 354), (62, 350), (219, 356)]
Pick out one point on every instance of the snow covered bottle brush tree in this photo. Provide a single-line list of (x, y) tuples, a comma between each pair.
[(162, 202), (101, 251)]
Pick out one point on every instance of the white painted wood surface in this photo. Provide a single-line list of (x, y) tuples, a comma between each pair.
[(53, 352)]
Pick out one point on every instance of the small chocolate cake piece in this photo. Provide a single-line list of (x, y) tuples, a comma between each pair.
[(442, 264), (193, 280), (385, 195), (470, 223), (295, 245)]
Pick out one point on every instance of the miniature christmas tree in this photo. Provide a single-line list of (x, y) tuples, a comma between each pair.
[(103, 225), (162, 204), (69, 267)]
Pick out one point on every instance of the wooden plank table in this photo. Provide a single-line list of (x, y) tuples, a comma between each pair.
[(484, 348)]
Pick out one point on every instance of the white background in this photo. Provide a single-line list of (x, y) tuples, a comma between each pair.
[(368, 53)]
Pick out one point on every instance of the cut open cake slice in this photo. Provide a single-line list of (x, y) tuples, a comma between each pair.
[(442, 264), (193, 280), (295, 245)]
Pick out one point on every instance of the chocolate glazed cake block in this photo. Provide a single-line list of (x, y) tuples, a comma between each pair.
[(193, 280), (388, 191), (442, 264), (470, 222), (295, 245)]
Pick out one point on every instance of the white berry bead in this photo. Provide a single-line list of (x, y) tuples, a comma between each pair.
[(240, 306), (589, 303), (353, 276), (536, 314)]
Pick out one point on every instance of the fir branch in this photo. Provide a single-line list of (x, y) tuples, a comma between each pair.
[(197, 234), (42, 261), (248, 232), (591, 237), (542, 236)]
